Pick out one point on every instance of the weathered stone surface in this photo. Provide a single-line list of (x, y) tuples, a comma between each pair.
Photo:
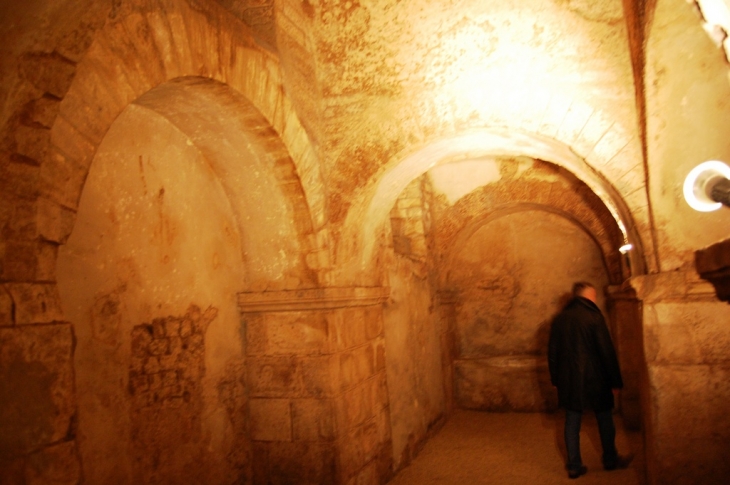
[(690, 427), (37, 401), (57, 465), (687, 333), (313, 420), (32, 142), (54, 222), (287, 333), (271, 419), (504, 384), (19, 177), (36, 303), (42, 111), (301, 463), (349, 95), (51, 73), (6, 308)]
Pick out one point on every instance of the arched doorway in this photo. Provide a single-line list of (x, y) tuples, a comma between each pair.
[(185, 205)]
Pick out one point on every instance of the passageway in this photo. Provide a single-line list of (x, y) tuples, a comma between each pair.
[(515, 448)]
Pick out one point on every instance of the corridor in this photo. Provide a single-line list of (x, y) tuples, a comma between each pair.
[(477, 448)]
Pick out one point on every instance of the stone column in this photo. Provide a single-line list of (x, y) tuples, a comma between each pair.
[(317, 383), (624, 313), (446, 301), (37, 397), (687, 348)]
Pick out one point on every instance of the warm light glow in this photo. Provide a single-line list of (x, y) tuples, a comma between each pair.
[(716, 14), (625, 248), (696, 183)]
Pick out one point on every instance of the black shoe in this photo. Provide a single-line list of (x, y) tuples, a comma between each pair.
[(577, 473), (622, 462)]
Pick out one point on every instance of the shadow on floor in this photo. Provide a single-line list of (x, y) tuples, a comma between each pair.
[(516, 448)]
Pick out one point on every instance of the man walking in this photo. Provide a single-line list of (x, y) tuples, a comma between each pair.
[(584, 368)]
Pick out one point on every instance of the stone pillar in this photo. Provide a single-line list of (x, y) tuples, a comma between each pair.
[(687, 348), (446, 301), (37, 398), (624, 313), (317, 383)]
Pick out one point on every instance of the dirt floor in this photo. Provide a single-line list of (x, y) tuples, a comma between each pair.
[(516, 448)]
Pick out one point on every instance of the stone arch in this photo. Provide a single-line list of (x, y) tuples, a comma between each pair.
[(141, 49), (576, 203), (191, 198), (365, 218), (473, 226)]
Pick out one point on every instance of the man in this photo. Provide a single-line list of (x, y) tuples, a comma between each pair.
[(584, 368)]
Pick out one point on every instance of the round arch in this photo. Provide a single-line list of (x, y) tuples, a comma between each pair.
[(364, 219)]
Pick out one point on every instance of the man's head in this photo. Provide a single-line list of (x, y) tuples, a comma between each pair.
[(585, 290)]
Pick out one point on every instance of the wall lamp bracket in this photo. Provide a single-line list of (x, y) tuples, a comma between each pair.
[(707, 186)]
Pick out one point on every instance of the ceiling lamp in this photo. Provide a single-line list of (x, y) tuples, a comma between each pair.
[(707, 186)]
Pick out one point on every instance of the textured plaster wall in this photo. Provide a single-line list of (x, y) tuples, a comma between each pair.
[(513, 275), (156, 234), (401, 76), (684, 326), (686, 342), (688, 120), (355, 89), (414, 366), (412, 326)]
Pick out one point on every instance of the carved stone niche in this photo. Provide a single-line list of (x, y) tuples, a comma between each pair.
[(713, 265)]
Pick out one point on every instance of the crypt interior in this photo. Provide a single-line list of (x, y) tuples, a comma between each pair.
[(283, 241)]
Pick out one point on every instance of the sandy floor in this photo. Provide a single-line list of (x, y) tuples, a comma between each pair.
[(516, 448)]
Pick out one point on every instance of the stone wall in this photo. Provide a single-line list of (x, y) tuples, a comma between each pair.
[(687, 344), (317, 381), (37, 403), (414, 326), (513, 275)]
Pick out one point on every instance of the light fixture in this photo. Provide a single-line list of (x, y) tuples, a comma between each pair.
[(707, 186), (625, 248)]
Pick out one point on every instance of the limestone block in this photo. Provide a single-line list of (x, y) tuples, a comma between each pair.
[(288, 376), (687, 332), (71, 143), (368, 475), (382, 419), (62, 178), (295, 333), (57, 465), (37, 400), (373, 322), (516, 383), (319, 376), (271, 419), (299, 462), (42, 111), (691, 426), (46, 261), (35, 303), (6, 308), (18, 217), (32, 142), (313, 420), (356, 365), (353, 406), (359, 447), (19, 261), (54, 221), (18, 178), (51, 73)]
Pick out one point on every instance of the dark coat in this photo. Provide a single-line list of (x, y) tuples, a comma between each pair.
[(582, 359)]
